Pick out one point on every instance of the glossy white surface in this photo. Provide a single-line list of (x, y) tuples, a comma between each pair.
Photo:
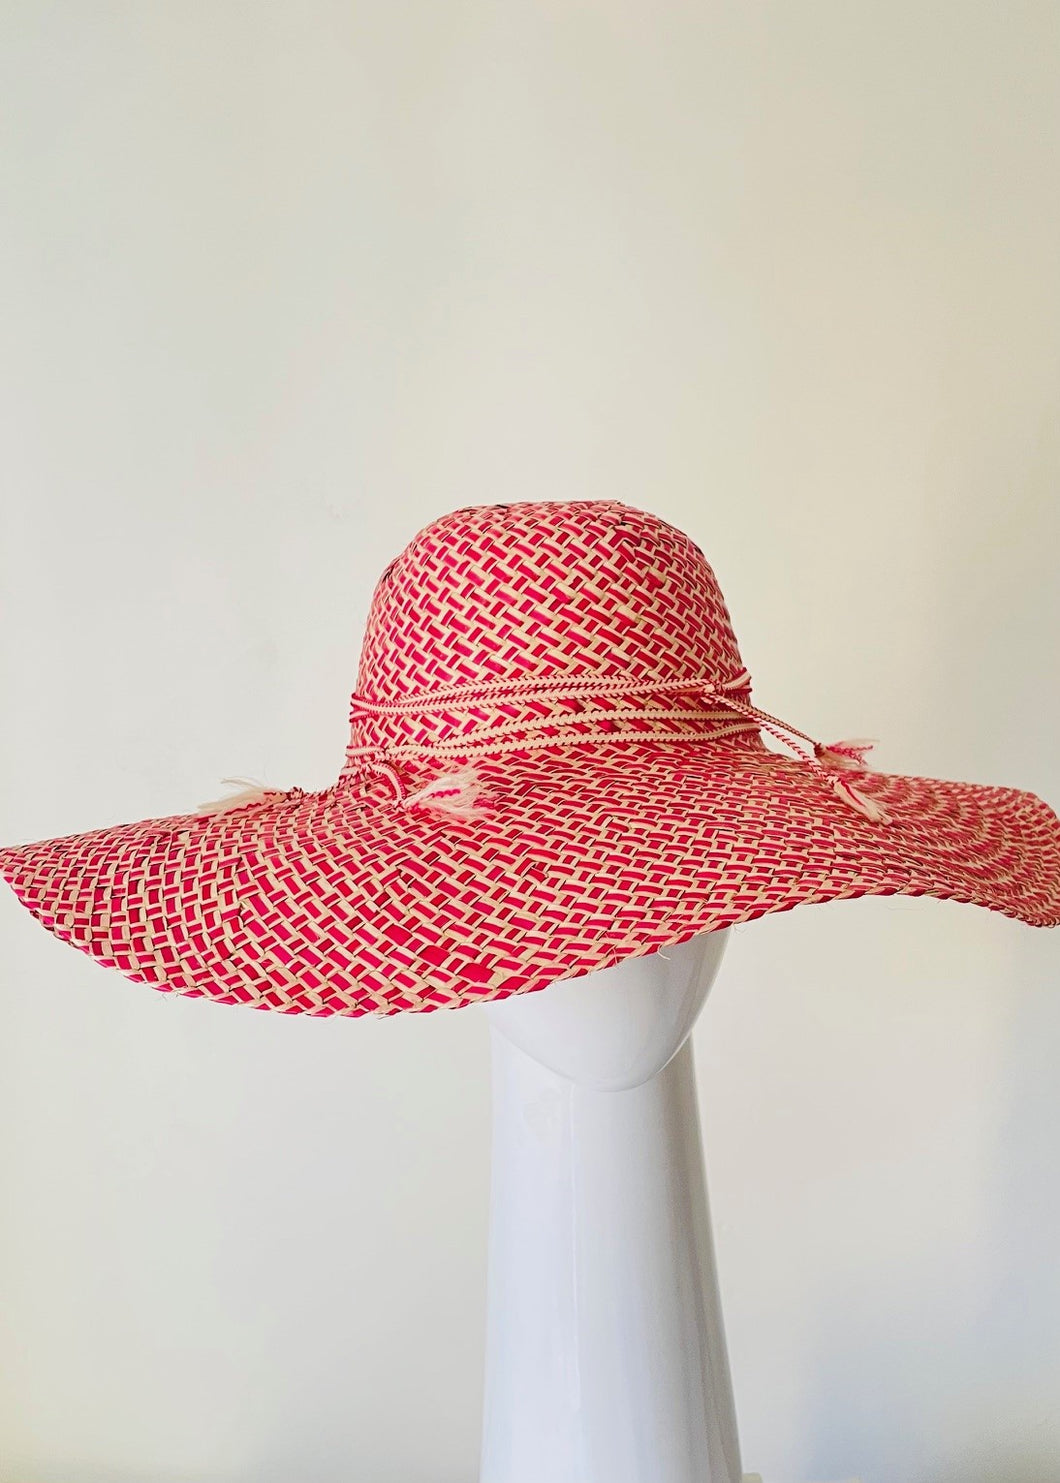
[(606, 1358)]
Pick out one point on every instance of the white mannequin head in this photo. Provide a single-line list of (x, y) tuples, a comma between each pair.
[(618, 1027)]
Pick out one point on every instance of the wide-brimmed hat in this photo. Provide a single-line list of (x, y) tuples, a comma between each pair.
[(554, 764)]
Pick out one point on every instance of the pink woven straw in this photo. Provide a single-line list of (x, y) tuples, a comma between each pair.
[(554, 764)]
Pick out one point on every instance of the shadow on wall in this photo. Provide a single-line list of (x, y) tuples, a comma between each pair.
[(921, 1380), (1026, 1468), (1016, 1330)]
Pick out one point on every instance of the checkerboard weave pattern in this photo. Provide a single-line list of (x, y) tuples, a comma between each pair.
[(567, 653)]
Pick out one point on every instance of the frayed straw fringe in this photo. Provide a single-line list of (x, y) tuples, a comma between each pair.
[(873, 811), (459, 794), (456, 793), (849, 754), (251, 793)]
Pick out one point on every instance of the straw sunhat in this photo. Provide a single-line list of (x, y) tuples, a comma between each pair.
[(554, 764)]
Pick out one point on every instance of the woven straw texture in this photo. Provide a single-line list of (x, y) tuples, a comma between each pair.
[(571, 667)]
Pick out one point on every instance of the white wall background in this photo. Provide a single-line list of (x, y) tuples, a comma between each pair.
[(281, 282)]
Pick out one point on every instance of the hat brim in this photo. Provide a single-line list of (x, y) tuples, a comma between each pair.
[(346, 902)]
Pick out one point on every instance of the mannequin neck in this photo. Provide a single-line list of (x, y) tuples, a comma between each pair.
[(606, 1358)]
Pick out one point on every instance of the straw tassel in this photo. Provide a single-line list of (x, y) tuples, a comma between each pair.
[(455, 793), (844, 754), (251, 793), (858, 800), (842, 757)]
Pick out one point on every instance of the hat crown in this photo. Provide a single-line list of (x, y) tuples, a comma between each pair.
[(549, 590)]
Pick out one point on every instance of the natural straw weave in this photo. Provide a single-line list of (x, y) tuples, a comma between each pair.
[(563, 669)]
